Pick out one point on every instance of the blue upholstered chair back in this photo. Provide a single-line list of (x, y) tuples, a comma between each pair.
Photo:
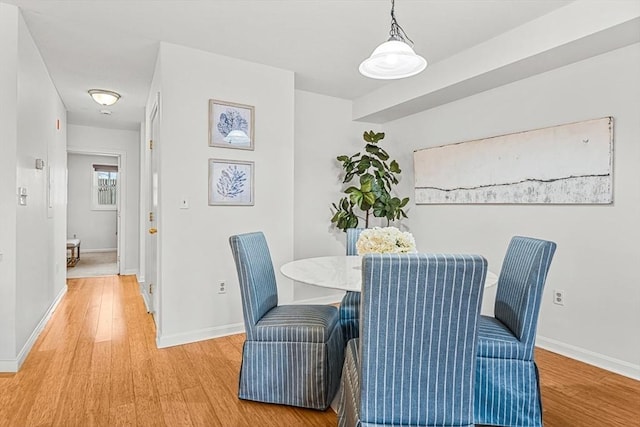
[(352, 238), (418, 338), (520, 286), (257, 279)]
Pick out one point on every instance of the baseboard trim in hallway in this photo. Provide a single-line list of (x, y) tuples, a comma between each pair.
[(15, 364)]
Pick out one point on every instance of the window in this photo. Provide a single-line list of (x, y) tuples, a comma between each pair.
[(105, 186)]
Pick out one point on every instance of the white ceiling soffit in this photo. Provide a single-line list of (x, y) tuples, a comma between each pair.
[(575, 32), (113, 44)]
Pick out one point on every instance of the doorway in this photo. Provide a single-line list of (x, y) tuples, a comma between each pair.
[(151, 290), (95, 208)]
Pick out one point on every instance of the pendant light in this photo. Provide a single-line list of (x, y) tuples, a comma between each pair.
[(395, 58)]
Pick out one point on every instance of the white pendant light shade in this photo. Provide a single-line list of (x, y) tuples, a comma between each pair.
[(104, 97), (393, 59)]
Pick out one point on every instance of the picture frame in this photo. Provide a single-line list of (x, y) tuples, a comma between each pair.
[(231, 125), (231, 182)]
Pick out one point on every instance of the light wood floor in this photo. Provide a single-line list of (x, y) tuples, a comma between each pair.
[(96, 364)]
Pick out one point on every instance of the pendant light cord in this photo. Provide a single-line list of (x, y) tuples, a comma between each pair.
[(396, 32)]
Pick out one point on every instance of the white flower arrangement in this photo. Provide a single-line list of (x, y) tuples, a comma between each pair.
[(387, 240)]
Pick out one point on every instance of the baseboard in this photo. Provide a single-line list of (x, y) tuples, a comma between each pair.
[(86, 251), (139, 278), (131, 272), (199, 335), (222, 331), (14, 365), (329, 299), (618, 366), (145, 297)]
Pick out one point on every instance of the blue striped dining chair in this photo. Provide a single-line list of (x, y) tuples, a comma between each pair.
[(293, 354), (414, 363), (350, 305), (507, 386)]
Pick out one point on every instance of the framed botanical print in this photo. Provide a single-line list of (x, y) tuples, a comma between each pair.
[(230, 182), (231, 125)]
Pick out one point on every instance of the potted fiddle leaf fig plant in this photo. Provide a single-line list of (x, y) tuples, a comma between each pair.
[(370, 194)]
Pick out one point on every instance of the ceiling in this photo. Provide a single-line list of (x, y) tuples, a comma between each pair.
[(113, 44)]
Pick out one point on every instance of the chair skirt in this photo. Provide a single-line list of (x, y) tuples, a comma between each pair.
[(349, 401), (304, 374), (507, 393)]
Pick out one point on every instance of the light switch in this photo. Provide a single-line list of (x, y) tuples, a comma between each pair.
[(184, 203), (22, 196)]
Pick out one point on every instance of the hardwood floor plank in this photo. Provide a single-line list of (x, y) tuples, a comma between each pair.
[(19, 407), (148, 403), (123, 415), (122, 392), (175, 410), (200, 410), (105, 318), (96, 364), (183, 368), (97, 400)]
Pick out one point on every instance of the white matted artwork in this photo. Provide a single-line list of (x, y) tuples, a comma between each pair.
[(565, 164), (230, 182), (231, 125)]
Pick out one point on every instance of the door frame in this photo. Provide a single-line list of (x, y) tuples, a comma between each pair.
[(120, 193), (154, 302)]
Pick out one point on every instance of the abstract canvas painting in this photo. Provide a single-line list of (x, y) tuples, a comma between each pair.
[(565, 164)]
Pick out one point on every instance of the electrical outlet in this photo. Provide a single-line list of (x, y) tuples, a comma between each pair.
[(222, 287), (558, 296)]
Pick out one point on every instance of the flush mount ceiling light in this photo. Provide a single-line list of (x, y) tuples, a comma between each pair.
[(104, 97), (395, 58)]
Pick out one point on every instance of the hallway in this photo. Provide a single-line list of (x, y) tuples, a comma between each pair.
[(94, 264), (96, 363)]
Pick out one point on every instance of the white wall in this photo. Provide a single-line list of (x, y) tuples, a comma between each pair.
[(95, 228), (597, 256), (323, 131), (126, 144), (8, 200), (32, 270), (195, 252)]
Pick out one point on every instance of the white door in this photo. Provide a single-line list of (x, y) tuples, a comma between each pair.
[(151, 257)]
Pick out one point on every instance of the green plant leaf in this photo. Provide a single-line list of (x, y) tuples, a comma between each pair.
[(348, 177), (356, 197), (369, 198), (377, 180), (352, 222), (395, 168), (351, 189), (383, 155), (366, 187), (374, 137), (373, 149)]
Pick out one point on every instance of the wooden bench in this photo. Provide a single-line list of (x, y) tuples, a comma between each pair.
[(73, 245)]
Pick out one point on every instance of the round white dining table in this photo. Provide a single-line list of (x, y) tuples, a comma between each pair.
[(338, 272)]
